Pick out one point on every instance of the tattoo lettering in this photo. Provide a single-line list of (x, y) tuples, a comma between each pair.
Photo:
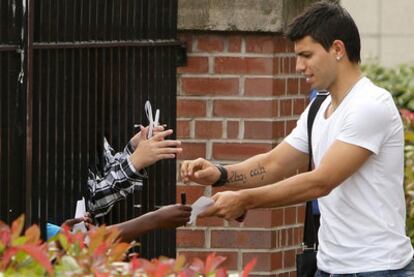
[(259, 171), (237, 177)]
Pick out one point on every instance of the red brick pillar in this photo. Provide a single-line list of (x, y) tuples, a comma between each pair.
[(238, 96)]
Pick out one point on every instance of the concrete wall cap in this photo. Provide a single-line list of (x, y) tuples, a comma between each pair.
[(238, 15)]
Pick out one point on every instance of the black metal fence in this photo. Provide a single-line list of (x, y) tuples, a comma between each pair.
[(72, 71)]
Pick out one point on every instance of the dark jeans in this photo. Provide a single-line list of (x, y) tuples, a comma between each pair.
[(404, 272)]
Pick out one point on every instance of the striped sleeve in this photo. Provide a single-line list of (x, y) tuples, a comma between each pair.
[(120, 178)]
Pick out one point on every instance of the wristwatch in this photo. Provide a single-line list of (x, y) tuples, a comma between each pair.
[(223, 176)]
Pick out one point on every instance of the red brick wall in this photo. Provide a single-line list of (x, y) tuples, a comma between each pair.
[(238, 96)]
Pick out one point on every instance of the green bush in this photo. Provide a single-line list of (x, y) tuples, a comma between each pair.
[(400, 82), (95, 253)]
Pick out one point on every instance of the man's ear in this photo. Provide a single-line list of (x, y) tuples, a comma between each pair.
[(338, 48)]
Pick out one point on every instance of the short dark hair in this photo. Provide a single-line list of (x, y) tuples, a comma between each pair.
[(325, 22)]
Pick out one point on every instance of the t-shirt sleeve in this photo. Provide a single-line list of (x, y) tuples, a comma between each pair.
[(366, 126), (298, 138)]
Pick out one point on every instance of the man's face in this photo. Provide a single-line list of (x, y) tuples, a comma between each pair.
[(317, 64)]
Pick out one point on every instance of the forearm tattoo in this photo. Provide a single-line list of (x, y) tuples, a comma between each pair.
[(236, 177), (259, 171), (239, 177)]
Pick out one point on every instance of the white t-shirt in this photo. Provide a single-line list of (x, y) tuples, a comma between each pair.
[(363, 219)]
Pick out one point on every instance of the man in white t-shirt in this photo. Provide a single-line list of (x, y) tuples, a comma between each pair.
[(357, 142)]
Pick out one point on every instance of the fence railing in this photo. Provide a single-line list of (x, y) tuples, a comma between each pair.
[(71, 72)]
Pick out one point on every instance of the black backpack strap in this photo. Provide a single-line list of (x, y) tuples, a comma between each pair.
[(313, 110), (310, 233)]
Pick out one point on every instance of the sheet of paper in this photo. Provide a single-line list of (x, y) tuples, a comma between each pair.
[(153, 122), (80, 212), (199, 206)]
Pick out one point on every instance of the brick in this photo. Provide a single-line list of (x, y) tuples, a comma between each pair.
[(264, 218), (290, 125), (258, 130), (278, 239), (206, 129), (266, 261), (299, 106), (230, 263), (191, 108), (232, 129), (279, 87), (293, 86), (245, 108), (190, 238), (258, 87), (284, 238), (234, 44), (242, 65), (305, 87), (210, 221), (194, 65), (285, 66), (289, 258), (192, 151), (265, 87), (292, 66), (290, 46), (277, 65), (237, 152), (193, 192), (285, 107), (301, 214), (280, 130), (264, 129), (280, 45), (297, 235), (259, 44), (288, 237), (241, 239), (210, 86), (210, 43), (288, 65), (183, 129), (290, 216)]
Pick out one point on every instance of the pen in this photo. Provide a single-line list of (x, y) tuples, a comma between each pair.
[(183, 198)]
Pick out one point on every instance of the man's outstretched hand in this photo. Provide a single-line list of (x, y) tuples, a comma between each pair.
[(200, 171), (227, 205)]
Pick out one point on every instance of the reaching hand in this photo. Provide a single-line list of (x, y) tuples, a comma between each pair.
[(149, 151), (71, 222), (172, 216), (137, 137), (227, 205), (200, 171)]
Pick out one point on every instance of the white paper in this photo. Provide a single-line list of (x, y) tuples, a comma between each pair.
[(153, 122), (199, 206), (80, 212)]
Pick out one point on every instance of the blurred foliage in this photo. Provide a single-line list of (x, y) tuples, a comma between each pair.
[(400, 82), (95, 253)]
